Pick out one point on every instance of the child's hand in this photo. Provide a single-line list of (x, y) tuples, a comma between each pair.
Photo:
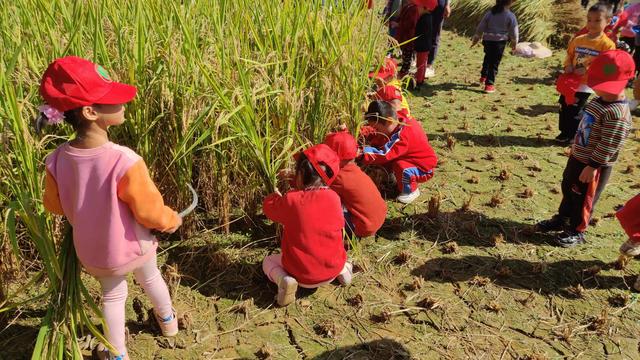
[(630, 248), (342, 127), (587, 175), (475, 41), (276, 191), (568, 69), (580, 71), (173, 229), (286, 174)]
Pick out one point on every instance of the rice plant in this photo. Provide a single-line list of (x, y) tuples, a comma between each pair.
[(228, 91)]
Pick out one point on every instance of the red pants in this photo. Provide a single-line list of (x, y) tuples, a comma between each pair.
[(629, 217), (408, 175)]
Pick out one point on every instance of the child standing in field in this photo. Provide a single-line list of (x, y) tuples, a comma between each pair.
[(406, 151), (106, 193), (580, 53), (416, 22), (604, 126), (312, 248), (365, 209), (498, 26)]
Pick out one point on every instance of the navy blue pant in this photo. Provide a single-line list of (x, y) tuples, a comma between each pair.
[(437, 20), (493, 51)]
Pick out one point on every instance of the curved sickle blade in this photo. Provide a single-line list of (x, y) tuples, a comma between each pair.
[(193, 205)]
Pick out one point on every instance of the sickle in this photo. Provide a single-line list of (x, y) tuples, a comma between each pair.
[(193, 205)]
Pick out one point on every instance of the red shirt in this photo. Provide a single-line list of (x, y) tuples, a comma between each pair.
[(361, 198), (629, 217), (408, 142), (312, 248)]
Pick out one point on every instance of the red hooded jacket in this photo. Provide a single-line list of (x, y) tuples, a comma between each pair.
[(408, 142), (312, 248), (629, 217)]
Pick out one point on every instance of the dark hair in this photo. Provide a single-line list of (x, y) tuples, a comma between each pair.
[(602, 7), (500, 5), (310, 176), (379, 110)]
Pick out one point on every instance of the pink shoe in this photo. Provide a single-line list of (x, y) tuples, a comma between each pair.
[(483, 80), (489, 89), (168, 326)]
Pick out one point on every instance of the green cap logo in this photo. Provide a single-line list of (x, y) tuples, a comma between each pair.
[(609, 69), (103, 73)]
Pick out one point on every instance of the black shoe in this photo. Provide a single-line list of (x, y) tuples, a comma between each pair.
[(568, 239), (556, 223), (563, 139)]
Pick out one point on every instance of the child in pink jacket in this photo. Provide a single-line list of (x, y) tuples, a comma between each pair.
[(106, 193)]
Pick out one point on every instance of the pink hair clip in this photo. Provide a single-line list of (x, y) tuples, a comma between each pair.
[(54, 116)]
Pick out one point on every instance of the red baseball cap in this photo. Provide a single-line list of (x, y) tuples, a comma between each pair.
[(387, 71), (567, 85), (389, 93), (428, 4), (343, 143), (72, 82), (610, 71), (322, 154)]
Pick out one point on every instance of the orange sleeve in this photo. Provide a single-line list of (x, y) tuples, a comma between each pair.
[(568, 61), (139, 192), (51, 198)]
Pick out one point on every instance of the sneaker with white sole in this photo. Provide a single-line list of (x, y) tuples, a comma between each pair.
[(345, 277), (168, 325), (429, 72), (287, 288), (408, 198)]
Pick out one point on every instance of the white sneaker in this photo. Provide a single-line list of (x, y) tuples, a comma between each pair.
[(287, 290), (429, 72), (633, 104), (345, 277), (408, 198)]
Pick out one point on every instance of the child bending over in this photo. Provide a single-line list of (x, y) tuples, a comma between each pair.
[(406, 151), (312, 249), (365, 209)]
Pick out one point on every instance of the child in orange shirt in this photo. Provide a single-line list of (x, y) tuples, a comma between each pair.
[(365, 209)]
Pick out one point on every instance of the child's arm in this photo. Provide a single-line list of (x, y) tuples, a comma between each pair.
[(145, 201), (514, 32), (394, 148), (568, 61), (482, 27), (51, 198), (274, 207)]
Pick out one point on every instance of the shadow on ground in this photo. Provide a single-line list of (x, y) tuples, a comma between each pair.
[(546, 278), (496, 140), (468, 228), (379, 349)]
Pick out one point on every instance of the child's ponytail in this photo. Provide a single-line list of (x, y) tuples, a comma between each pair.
[(500, 5), (51, 116)]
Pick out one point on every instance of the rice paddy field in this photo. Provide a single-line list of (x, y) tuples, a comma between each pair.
[(458, 274)]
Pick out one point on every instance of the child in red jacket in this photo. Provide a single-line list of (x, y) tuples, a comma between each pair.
[(365, 209), (629, 217), (407, 151), (312, 250)]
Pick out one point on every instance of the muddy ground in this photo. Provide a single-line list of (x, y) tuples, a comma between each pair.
[(462, 278)]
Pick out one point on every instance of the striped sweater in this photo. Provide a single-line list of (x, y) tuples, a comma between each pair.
[(602, 130)]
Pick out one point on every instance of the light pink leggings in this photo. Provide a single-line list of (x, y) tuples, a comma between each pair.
[(272, 267), (114, 296)]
